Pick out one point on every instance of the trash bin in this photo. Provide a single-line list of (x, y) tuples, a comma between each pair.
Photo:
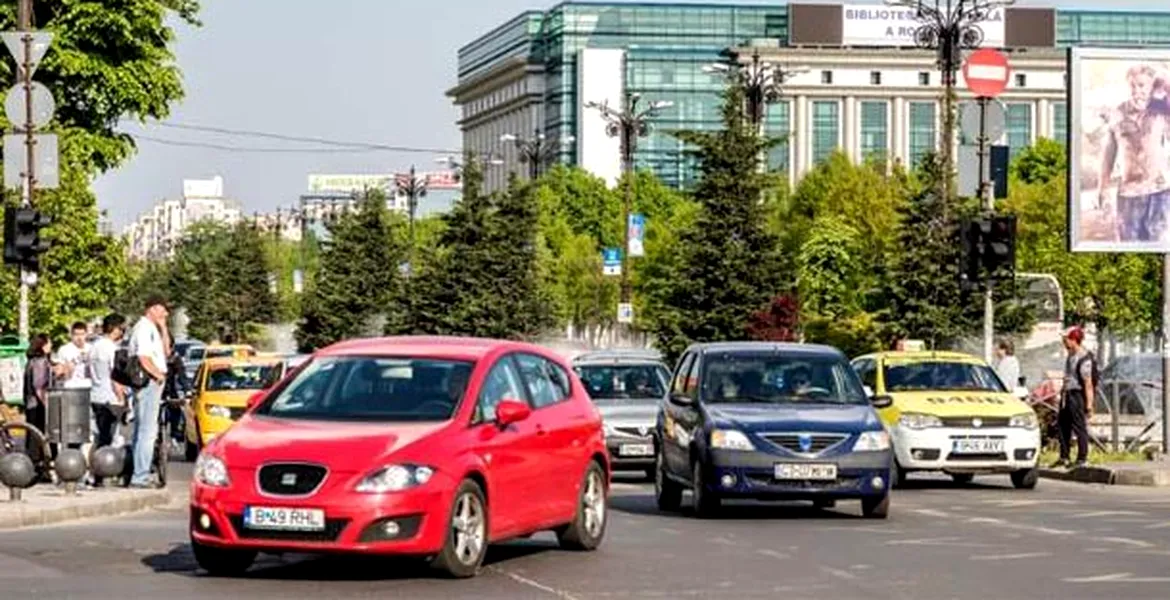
[(68, 416)]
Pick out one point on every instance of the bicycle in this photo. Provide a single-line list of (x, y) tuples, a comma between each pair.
[(14, 437), (160, 464)]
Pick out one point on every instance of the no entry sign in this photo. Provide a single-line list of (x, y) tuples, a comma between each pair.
[(986, 72)]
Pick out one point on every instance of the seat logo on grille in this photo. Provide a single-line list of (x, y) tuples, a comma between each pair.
[(805, 441), (642, 431), (288, 479)]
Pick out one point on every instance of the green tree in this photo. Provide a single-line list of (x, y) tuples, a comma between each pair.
[(359, 282), (728, 270), (221, 277), (1041, 162)]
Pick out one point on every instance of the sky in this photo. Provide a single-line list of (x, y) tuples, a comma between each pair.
[(365, 71)]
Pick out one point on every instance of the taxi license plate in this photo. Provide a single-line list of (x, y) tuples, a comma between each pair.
[(636, 450), (806, 472), (978, 446), (287, 519)]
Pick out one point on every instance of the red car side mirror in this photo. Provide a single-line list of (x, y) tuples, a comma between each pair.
[(511, 411), (255, 400)]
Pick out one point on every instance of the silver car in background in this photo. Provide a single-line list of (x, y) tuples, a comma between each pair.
[(626, 386)]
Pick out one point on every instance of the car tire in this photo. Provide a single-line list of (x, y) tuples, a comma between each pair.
[(706, 502), (651, 473), (667, 492), (466, 542), (824, 504), (1025, 479), (900, 475), (588, 527), (192, 452), (963, 478), (222, 562), (876, 508)]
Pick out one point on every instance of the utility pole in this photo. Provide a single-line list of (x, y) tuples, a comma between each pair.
[(628, 124), (24, 24)]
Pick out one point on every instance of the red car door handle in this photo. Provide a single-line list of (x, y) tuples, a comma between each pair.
[(540, 430)]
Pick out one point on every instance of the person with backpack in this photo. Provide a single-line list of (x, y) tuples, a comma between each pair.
[(148, 352), (1081, 376)]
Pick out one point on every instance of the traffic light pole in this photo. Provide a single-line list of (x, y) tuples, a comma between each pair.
[(24, 23), (986, 192)]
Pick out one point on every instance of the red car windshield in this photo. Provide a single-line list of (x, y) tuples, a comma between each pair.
[(383, 389)]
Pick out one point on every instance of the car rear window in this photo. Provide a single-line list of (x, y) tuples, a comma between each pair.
[(621, 382)]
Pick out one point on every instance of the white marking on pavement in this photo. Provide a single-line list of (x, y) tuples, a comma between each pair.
[(1126, 541), (866, 529), (1098, 578), (838, 573), (773, 554), (930, 512), (535, 584), (861, 567), (1162, 525), (1020, 503), (1019, 556), (669, 530), (724, 541), (945, 541), (1107, 513), (1002, 523)]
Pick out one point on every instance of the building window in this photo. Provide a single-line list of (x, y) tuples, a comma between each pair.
[(777, 125), (924, 78), (875, 77), (1021, 80), (827, 77), (1019, 126), (1060, 122), (923, 130), (874, 130), (826, 128)]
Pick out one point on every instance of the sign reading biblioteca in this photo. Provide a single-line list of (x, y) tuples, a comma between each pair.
[(880, 25)]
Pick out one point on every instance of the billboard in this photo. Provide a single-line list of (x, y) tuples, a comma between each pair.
[(349, 183), (1119, 164), (880, 25)]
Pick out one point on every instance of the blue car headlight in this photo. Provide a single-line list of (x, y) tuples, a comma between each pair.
[(872, 441)]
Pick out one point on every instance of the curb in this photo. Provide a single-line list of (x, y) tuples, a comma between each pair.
[(1155, 477), (30, 515)]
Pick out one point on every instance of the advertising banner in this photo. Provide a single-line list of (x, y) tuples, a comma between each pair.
[(611, 262), (349, 183), (637, 227), (880, 25), (1119, 164)]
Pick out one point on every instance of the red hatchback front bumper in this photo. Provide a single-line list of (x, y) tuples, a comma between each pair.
[(411, 522)]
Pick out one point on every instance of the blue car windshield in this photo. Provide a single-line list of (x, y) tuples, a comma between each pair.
[(780, 379)]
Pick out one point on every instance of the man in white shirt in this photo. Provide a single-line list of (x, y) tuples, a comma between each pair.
[(73, 358), (107, 396), (147, 343)]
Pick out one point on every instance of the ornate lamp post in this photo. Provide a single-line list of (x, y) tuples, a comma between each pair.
[(537, 151), (761, 81), (949, 26)]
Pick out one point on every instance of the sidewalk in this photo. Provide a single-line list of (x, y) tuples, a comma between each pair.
[(47, 504), (1146, 474)]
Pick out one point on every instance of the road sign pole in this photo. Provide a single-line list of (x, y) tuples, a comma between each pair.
[(987, 195), (1165, 354), (25, 24)]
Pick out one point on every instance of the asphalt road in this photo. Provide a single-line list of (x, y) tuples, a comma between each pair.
[(987, 540)]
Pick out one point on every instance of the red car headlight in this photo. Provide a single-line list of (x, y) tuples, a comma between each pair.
[(395, 478)]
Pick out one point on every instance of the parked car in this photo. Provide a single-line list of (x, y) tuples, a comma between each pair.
[(419, 446), (770, 421), (626, 386)]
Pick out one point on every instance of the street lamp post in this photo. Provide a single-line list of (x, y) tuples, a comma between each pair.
[(536, 151), (761, 81), (412, 187), (628, 124), (949, 26)]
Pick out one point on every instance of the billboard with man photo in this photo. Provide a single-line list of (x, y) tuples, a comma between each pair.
[(1119, 158)]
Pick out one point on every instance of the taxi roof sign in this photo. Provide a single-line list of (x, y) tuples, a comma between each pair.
[(910, 346)]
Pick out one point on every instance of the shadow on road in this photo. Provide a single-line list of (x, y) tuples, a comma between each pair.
[(350, 567), (644, 504)]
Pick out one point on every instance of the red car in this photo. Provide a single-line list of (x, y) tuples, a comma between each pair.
[(419, 446)]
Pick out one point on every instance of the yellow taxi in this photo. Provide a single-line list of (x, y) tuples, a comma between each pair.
[(950, 412), (228, 350), (222, 388)]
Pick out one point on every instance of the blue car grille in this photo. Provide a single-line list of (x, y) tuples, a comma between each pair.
[(806, 443)]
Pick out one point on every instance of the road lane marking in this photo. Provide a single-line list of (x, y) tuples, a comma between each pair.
[(1116, 578), (867, 529), (1019, 556), (930, 512), (944, 541), (724, 541), (1162, 525), (534, 584), (669, 530), (1107, 513), (773, 554), (1003, 523), (838, 573), (1021, 503), (1126, 541)]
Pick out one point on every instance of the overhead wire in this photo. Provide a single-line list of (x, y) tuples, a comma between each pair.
[(306, 139), (246, 149)]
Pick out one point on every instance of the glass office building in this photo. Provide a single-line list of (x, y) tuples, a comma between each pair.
[(667, 46)]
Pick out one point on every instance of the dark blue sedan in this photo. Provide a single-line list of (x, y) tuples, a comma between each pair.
[(769, 421)]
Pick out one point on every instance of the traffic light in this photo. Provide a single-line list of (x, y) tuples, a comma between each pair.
[(988, 251), (23, 244)]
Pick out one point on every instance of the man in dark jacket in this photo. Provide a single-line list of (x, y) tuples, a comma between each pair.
[(176, 388)]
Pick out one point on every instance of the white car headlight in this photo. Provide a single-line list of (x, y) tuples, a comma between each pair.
[(211, 471), (730, 439), (919, 421), (219, 411), (872, 441), (1025, 420), (395, 478)]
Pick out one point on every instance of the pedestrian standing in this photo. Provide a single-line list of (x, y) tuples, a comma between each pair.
[(73, 358), (1007, 366), (108, 398), (38, 377), (1076, 401), (148, 345)]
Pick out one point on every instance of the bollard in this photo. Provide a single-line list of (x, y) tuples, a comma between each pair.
[(18, 472), (105, 463), (70, 467)]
